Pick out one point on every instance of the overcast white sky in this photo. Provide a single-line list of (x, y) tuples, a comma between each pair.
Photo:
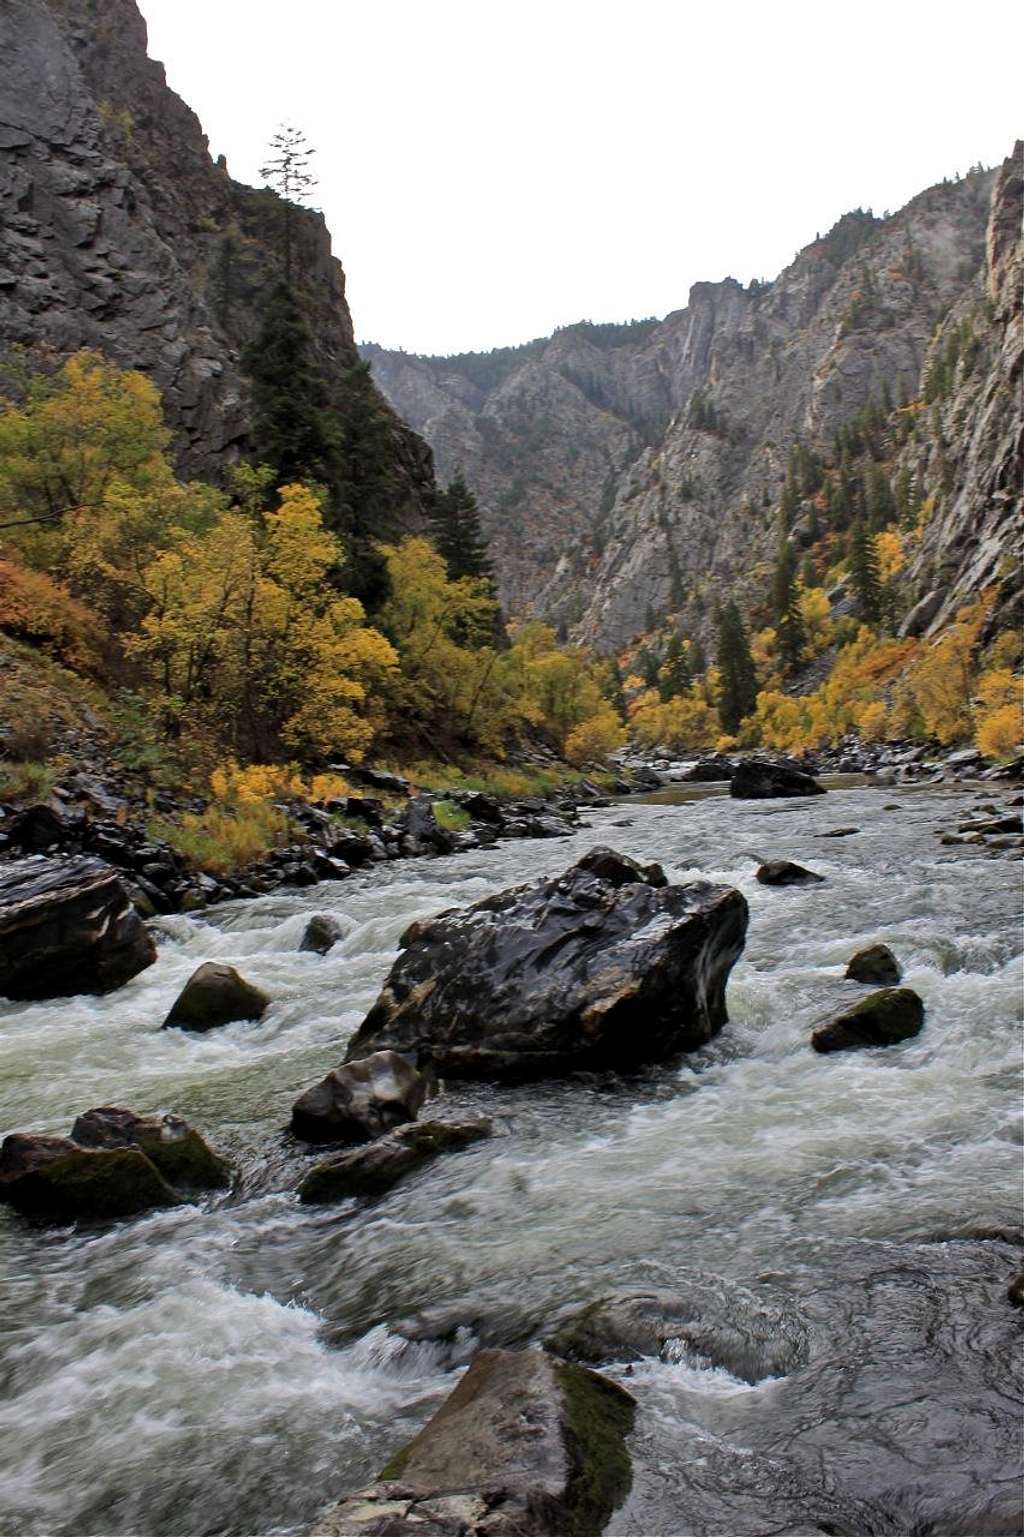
[(490, 170)]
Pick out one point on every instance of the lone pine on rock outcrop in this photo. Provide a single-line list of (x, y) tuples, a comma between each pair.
[(605, 966)]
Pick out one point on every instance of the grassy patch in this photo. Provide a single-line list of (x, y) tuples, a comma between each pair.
[(223, 839), (26, 782), (453, 818)]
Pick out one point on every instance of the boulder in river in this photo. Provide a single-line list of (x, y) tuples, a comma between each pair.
[(174, 1148), (321, 934), (783, 872), (66, 927), (881, 1019), (597, 968), (525, 1446), (755, 779), (875, 964), (215, 994), (55, 1178), (362, 1100), (375, 1167)]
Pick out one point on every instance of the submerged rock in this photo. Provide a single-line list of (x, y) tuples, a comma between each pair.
[(321, 934), (361, 1100), (66, 927), (175, 1149), (215, 994), (754, 779), (707, 1317), (782, 872), (875, 963), (55, 1178), (883, 1018), (377, 1166), (1015, 1291), (525, 1446), (599, 967)]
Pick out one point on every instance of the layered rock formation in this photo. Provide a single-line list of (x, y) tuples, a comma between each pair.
[(118, 231), (626, 472)]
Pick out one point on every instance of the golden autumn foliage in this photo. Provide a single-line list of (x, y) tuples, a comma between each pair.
[(999, 713), (36, 608), (686, 723), (594, 738)]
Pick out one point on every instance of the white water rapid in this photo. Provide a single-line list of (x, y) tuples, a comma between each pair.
[(228, 1368)]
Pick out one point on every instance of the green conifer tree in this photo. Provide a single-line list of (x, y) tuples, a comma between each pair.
[(864, 574), (738, 685), (789, 623), (457, 531), (292, 429)]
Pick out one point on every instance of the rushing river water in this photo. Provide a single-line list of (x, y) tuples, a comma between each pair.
[(228, 1367)]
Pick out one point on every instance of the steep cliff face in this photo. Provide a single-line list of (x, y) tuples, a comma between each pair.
[(118, 231), (969, 464), (628, 479)]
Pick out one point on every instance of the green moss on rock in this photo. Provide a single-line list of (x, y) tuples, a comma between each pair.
[(115, 1182), (601, 1416)]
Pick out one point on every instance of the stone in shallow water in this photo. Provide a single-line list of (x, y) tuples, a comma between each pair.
[(882, 1019), (321, 934), (66, 927), (174, 1148), (875, 963), (783, 872), (755, 780), (215, 995), (525, 1446), (374, 1168), (603, 966), (361, 1100), (54, 1178)]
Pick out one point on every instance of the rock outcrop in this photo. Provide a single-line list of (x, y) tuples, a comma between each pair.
[(755, 779), (120, 232), (525, 1446), (602, 967), (66, 927)]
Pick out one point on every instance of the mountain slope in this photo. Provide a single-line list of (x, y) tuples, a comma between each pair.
[(622, 481)]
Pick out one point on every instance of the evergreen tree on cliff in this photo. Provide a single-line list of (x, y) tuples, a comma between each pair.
[(738, 683), (864, 573), (789, 622), (457, 532), (291, 425)]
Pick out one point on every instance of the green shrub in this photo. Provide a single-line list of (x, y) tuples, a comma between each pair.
[(27, 782)]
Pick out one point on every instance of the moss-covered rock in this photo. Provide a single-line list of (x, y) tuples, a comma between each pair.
[(883, 1018), (534, 1445), (54, 1178), (376, 1166), (176, 1149)]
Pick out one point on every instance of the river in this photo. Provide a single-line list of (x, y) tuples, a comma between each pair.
[(228, 1367)]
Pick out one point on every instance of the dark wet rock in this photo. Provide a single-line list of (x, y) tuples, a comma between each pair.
[(875, 963), (525, 1446), (567, 973), (482, 808), (709, 770), (1007, 824), (620, 869), (1015, 1291), (354, 848), (883, 1018), (707, 1318), (215, 994), (67, 927), (35, 829), (782, 872), (839, 832), (361, 1100), (56, 1179), (322, 932), (175, 1149), (419, 832), (375, 1167), (756, 779)]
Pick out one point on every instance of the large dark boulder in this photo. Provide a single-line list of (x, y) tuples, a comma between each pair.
[(55, 1178), (66, 927), (599, 967), (881, 1019), (711, 770), (321, 934), (875, 964), (754, 779), (376, 1166), (525, 1446), (174, 1148), (361, 1100), (419, 831), (215, 994)]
